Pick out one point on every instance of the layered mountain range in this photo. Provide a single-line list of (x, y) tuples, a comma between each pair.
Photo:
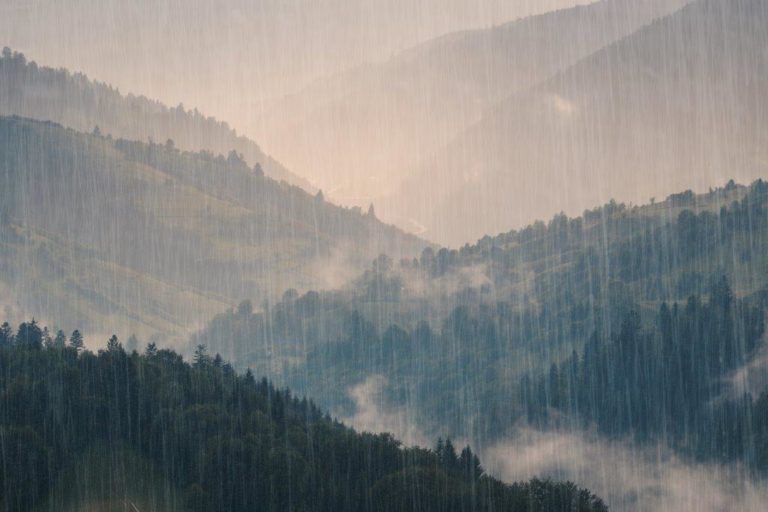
[(678, 104)]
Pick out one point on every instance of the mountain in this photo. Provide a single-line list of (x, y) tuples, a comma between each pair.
[(463, 341), (46, 94), (122, 431), (115, 233), (228, 55), (361, 132), (675, 105)]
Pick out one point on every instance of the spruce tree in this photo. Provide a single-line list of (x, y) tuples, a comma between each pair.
[(76, 340), (6, 335), (60, 340), (113, 344), (30, 334), (201, 358)]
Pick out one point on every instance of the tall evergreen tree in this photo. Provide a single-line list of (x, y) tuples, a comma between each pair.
[(60, 340), (113, 344), (30, 334), (47, 338), (76, 340), (6, 335), (201, 357)]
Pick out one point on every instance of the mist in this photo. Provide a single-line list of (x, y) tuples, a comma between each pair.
[(227, 58), (373, 415), (628, 477)]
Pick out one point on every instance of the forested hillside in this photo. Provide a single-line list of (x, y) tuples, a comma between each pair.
[(467, 338), (672, 379), (118, 430), (105, 233), (75, 101)]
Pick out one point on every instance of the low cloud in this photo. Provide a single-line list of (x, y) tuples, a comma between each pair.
[(626, 477), (751, 378), (374, 415)]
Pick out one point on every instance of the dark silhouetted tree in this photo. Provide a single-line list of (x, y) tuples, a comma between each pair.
[(76, 340)]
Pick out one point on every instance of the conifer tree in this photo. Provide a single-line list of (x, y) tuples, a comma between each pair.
[(60, 340), (113, 344), (6, 335), (76, 340)]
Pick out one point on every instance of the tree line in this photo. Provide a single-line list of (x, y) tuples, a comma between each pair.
[(454, 331), (117, 428)]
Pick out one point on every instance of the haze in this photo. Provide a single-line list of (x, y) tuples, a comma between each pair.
[(222, 56), (519, 247), (380, 102)]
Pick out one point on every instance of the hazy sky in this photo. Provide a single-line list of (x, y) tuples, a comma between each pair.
[(219, 55)]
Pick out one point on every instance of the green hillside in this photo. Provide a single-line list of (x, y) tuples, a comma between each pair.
[(150, 239)]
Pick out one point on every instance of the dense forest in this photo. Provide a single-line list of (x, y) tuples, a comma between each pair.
[(146, 238), (671, 380), (123, 430), (467, 338), (75, 101)]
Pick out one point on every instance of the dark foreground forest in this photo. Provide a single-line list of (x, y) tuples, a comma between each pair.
[(128, 431)]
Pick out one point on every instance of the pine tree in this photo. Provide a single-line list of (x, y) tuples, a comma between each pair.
[(470, 464), (201, 358), (439, 449), (30, 334), (60, 340), (553, 385), (6, 335), (113, 344), (151, 349), (47, 339), (447, 455), (76, 340)]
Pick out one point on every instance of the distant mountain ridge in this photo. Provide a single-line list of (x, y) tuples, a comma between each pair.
[(360, 132), (670, 107), (75, 101)]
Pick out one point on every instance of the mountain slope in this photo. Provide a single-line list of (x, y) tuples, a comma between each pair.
[(47, 94), (641, 327), (669, 107), (360, 132), (444, 340), (148, 238), (122, 431)]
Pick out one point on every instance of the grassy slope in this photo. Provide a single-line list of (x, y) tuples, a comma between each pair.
[(148, 239)]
